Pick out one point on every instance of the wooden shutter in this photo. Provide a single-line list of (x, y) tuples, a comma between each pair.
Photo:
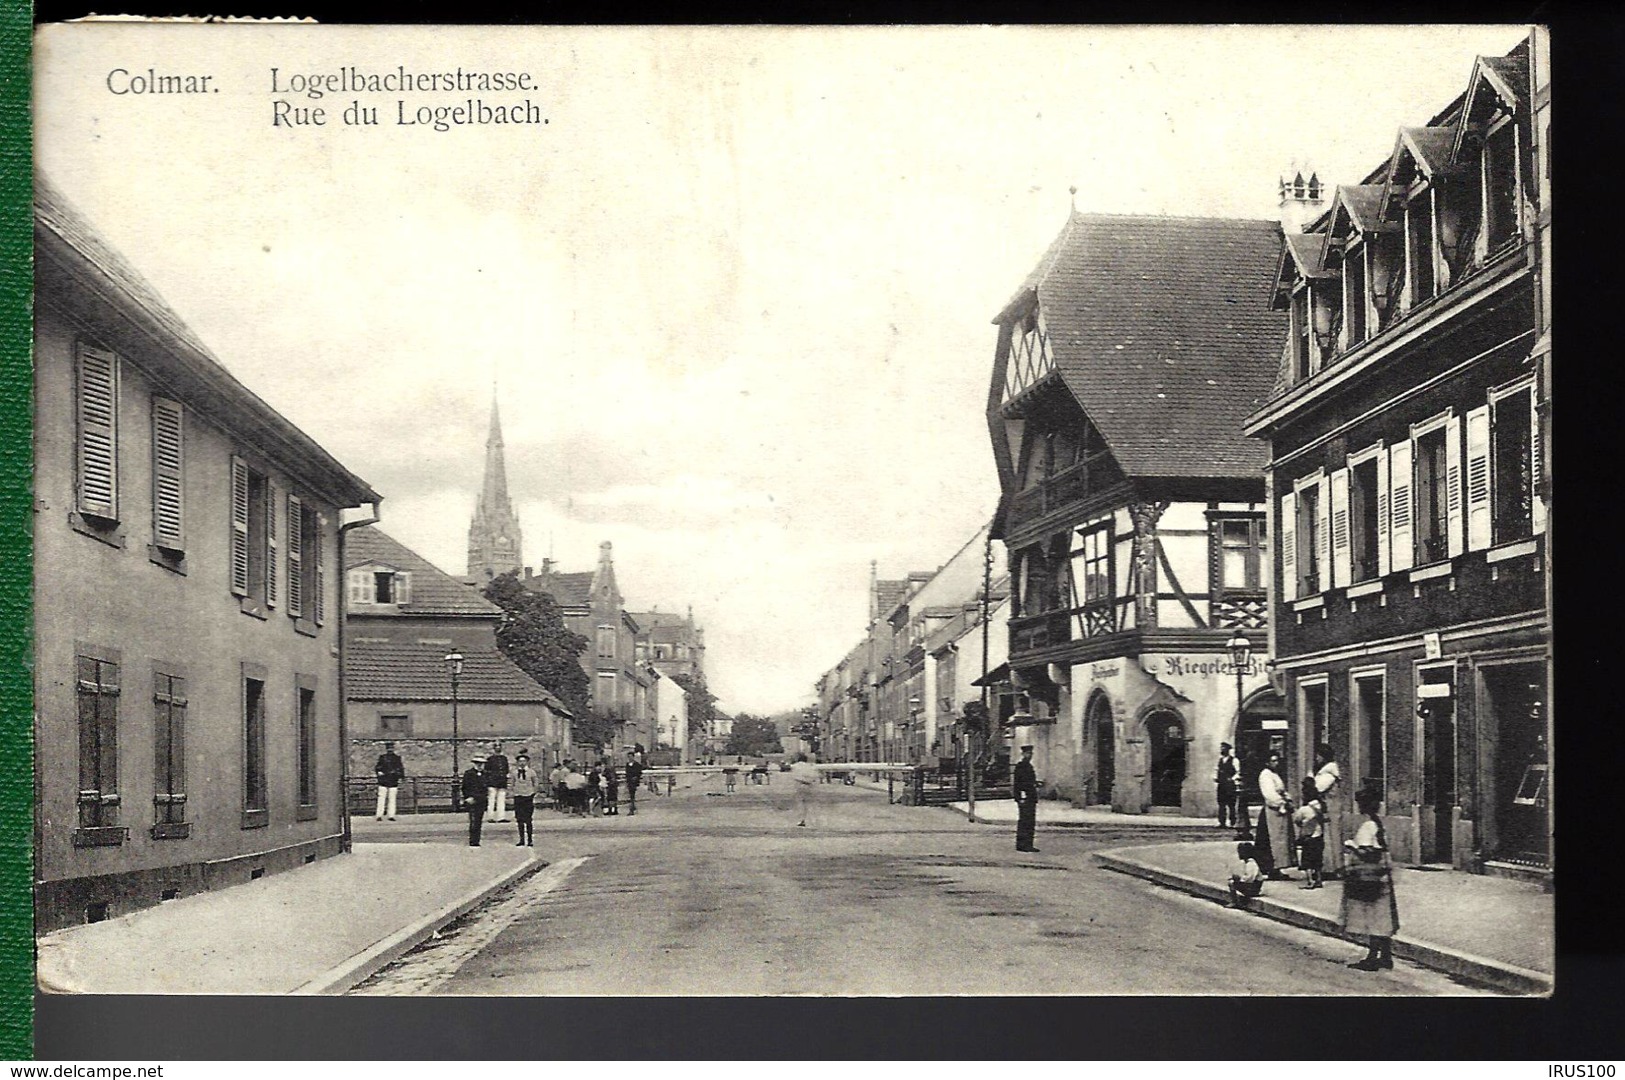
[(296, 557), (1323, 535), (1384, 562), (1454, 517), (1287, 530), (1537, 456), (98, 432), (169, 700), (1401, 483), (1479, 521), (360, 586), (168, 475), (1342, 568), (319, 578), (403, 587), (239, 526), (272, 498)]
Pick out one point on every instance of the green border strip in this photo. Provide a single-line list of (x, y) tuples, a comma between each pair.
[(16, 537)]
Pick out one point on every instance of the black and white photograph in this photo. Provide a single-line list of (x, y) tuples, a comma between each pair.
[(766, 511)]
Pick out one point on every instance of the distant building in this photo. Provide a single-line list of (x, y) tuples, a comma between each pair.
[(1133, 507), (672, 643), (495, 545), (405, 618), (189, 727)]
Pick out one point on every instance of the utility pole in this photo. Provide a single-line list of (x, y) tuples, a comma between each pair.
[(987, 714)]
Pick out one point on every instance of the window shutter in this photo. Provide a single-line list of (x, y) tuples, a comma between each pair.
[(1384, 563), (319, 579), (168, 475), (1454, 518), (272, 497), (1400, 483), (1287, 530), (360, 586), (163, 755), (98, 432), (1479, 531), (1323, 534), (403, 587), (239, 526), (1342, 569), (177, 736), (1537, 504), (296, 557)]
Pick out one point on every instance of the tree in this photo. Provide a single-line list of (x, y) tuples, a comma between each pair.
[(702, 706), (753, 735), (534, 636)]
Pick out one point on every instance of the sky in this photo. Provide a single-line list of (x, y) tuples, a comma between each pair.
[(735, 295)]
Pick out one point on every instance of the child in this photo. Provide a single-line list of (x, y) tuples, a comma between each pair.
[(1246, 879), (1307, 820)]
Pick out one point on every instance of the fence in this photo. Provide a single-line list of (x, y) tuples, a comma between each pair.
[(417, 795)]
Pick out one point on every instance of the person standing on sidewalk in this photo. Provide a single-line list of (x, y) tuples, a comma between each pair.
[(1369, 907), (561, 794), (496, 785), (634, 777), (1272, 841), (1308, 825), (1026, 795), (1329, 785), (612, 790), (524, 785), (390, 772), (1224, 775), (474, 798)]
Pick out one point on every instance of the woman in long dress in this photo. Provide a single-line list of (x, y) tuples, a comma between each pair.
[(1273, 842), (1329, 783), (1369, 908)]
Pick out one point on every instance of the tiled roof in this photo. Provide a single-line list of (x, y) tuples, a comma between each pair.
[(434, 592), (1364, 204), (1162, 330), (411, 671), (1511, 71), (1307, 250), (889, 594), (569, 590), (1430, 145)]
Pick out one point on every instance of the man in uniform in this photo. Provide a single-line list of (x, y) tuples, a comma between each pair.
[(390, 771), (1225, 777), (496, 785), (1026, 793), (474, 795), (634, 777)]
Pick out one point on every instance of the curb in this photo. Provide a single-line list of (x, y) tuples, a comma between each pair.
[(1175, 833), (368, 962), (1502, 976)]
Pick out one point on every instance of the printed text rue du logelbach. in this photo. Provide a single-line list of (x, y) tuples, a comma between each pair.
[(330, 87)]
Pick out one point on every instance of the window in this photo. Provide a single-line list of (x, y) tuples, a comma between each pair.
[(169, 754), (1513, 465), (254, 785), (1300, 334), (1431, 497), (1370, 739), (606, 642), (1092, 579), (399, 724), (1501, 186), (1241, 554), (1419, 246), (607, 694), (307, 742), (168, 475), (253, 531), (307, 580), (98, 693), (391, 587), (1354, 290), (1309, 538), (1312, 714), (1363, 527), (96, 439)]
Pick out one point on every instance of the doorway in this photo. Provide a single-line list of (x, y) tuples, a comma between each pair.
[(1105, 733), (1165, 731), (1261, 730), (1437, 718), (1515, 696)]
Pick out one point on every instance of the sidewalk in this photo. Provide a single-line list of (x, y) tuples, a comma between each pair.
[(316, 929), (1491, 930), (1053, 813)]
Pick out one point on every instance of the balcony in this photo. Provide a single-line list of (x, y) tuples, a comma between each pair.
[(1070, 485), (1033, 632)]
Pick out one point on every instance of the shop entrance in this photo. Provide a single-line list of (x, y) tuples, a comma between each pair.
[(1165, 731), (1516, 714), (1437, 715), (1261, 730), (1105, 733)]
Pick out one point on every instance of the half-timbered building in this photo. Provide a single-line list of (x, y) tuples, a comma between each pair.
[(1133, 508), (1406, 433)]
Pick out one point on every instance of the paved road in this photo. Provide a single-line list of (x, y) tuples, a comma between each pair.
[(723, 894)]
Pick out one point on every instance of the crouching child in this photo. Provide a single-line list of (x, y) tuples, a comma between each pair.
[(1246, 878)]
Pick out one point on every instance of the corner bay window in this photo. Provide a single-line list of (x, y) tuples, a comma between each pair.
[(1092, 580)]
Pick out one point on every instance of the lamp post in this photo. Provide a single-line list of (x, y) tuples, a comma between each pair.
[(455, 661), (1240, 650)]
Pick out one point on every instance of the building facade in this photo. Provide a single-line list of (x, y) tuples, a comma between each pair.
[(1132, 507), (1408, 436), (405, 620), (189, 727)]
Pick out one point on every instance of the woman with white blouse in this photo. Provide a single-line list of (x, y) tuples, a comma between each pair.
[(1273, 841), (1329, 784), (1369, 908)]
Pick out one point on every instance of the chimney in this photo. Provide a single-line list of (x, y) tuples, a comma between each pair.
[(1302, 196)]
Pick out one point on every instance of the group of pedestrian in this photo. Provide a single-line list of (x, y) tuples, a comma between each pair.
[(597, 790), (1314, 827), (484, 790)]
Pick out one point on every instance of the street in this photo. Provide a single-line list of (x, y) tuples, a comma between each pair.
[(707, 893)]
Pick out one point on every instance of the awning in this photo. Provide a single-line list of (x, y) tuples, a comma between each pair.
[(1000, 674)]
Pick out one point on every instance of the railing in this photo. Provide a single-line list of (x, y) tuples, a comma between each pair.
[(1070, 485), (417, 795), (1040, 631)]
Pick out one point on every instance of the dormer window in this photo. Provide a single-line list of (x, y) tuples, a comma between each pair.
[(1500, 172), (1300, 334), (379, 585), (1419, 251), (1354, 295)]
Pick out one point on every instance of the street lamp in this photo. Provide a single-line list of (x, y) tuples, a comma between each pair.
[(455, 661)]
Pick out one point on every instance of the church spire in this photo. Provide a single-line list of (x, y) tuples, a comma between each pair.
[(493, 535)]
